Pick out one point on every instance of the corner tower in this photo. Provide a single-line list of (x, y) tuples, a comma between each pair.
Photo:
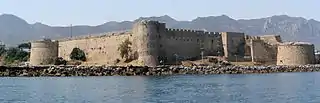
[(43, 52), (147, 35), (295, 53)]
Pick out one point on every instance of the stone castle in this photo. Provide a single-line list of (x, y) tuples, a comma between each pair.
[(153, 43)]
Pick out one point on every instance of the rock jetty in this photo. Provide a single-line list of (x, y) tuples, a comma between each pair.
[(62, 71)]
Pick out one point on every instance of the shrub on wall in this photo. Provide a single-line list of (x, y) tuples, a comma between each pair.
[(125, 49), (77, 54), (60, 61)]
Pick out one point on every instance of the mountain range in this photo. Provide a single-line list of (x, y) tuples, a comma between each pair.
[(15, 30)]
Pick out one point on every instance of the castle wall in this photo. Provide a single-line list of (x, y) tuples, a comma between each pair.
[(43, 52), (295, 54), (153, 42), (262, 52), (271, 39), (99, 49), (185, 44), (262, 48), (234, 45)]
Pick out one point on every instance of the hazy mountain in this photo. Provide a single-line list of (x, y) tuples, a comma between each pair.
[(14, 30)]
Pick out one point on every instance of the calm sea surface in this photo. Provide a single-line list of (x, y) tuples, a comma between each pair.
[(253, 88)]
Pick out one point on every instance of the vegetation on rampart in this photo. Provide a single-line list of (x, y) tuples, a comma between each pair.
[(125, 49), (78, 54)]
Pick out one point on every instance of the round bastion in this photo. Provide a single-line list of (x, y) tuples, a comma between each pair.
[(147, 33), (295, 53), (43, 52)]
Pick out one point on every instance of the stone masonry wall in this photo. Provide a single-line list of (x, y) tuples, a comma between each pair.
[(153, 42), (43, 52), (185, 44), (295, 54), (262, 52), (147, 35), (234, 45), (262, 48), (99, 49)]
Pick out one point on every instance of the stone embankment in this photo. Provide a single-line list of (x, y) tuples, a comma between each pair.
[(58, 71)]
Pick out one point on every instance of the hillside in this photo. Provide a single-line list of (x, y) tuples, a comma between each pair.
[(14, 30)]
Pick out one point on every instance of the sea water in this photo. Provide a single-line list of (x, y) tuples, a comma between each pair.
[(241, 88)]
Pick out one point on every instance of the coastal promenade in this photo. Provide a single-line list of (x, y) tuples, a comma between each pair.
[(63, 71)]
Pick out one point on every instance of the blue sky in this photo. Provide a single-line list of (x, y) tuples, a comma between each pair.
[(94, 12)]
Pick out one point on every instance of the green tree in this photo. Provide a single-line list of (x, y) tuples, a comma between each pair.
[(15, 54), (77, 54), (125, 49), (25, 45)]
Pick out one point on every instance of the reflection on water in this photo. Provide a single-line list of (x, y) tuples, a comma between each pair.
[(252, 88)]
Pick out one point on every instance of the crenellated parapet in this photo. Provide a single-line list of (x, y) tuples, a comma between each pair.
[(190, 32)]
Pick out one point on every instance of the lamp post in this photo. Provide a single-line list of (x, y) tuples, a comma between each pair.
[(176, 56), (202, 54), (218, 57), (236, 58)]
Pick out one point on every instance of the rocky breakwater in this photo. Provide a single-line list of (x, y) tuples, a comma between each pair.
[(147, 71)]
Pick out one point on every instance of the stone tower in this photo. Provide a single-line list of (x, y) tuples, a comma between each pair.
[(43, 52), (295, 53), (147, 37), (234, 45)]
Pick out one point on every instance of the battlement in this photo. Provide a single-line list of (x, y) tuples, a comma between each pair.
[(198, 33), (252, 37), (150, 22)]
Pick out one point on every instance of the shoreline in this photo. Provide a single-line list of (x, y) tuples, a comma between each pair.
[(71, 71)]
